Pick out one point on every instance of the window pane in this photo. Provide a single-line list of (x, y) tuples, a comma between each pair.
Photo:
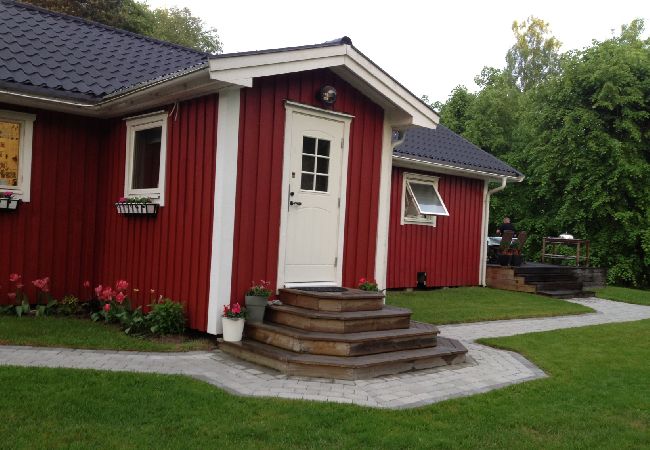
[(427, 198), (307, 163), (321, 183), (323, 165), (308, 145), (146, 158), (307, 182), (323, 147), (9, 153), (410, 208)]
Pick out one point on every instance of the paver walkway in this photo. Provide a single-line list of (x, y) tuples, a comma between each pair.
[(487, 368)]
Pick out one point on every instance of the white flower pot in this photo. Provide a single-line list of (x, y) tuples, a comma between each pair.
[(232, 329)]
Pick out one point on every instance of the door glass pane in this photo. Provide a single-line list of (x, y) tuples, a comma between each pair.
[(323, 165), (308, 145), (9, 153), (307, 182), (146, 158), (321, 183), (307, 163), (323, 147)]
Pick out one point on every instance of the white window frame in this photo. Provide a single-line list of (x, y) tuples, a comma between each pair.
[(26, 121), (140, 123), (429, 220)]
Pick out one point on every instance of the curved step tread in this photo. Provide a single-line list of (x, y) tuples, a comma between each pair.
[(415, 329), (387, 311)]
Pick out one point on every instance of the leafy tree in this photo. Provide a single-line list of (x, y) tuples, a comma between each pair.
[(454, 112), (173, 24), (535, 53)]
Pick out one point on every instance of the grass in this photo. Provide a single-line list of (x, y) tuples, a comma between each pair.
[(475, 304), (622, 294), (83, 333), (595, 397)]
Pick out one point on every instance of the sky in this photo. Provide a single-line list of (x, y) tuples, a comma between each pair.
[(428, 46)]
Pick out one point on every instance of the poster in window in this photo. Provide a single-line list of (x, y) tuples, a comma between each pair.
[(9, 148)]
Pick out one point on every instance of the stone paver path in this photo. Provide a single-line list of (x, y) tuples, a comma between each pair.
[(487, 368)]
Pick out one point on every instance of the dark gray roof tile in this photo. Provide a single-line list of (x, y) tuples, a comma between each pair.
[(65, 54), (443, 146)]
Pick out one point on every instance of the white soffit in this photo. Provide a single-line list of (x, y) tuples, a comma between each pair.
[(402, 107)]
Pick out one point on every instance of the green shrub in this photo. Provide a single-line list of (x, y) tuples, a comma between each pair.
[(167, 317), (69, 305)]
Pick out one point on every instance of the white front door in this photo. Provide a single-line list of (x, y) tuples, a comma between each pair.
[(314, 182)]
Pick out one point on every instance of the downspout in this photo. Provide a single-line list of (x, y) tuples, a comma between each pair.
[(484, 231)]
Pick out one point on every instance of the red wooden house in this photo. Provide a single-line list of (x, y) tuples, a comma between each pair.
[(304, 166)]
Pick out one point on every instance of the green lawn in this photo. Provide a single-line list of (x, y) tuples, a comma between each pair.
[(627, 295), (597, 396), (83, 333), (477, 304)]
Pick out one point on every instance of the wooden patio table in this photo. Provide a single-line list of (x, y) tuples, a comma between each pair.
[(582, 249)]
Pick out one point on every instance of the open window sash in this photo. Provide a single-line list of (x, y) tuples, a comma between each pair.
[(426, 198)]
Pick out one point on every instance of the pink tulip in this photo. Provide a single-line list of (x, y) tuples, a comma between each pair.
[(119, 298), (362, 280), (107, 307), (14, 277), (86, 284), (236, 308), (98, 290), (121, 285)]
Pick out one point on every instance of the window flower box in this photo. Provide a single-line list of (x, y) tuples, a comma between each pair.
[(8, 202), (142, 206)]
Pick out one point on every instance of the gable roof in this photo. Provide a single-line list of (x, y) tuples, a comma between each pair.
[(68, 57), (443, 147)]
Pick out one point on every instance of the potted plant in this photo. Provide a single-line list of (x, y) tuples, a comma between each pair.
[(515, 259), (233, 321), (136, 206), (257, 297), (505, 254), (8, 202), (368, 285)]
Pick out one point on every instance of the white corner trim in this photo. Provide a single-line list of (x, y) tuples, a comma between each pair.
[(225, 195), (133, 125), (26, 122), (485, 215), (383, 213), (292, 108)]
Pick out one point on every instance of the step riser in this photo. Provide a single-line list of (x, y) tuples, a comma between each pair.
[(336, 326), (343, 373), (333, 348), (333, 305), (559, 286)]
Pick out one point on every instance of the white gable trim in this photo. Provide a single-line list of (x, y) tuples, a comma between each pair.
[(402, 107)]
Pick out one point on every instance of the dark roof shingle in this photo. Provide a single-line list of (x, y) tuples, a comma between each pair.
[(443, 146), (71, 57)]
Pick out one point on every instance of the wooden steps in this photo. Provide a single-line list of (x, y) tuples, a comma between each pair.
[(418, 335), (386, 318), (344, 335), (448, 351), (542, 279)]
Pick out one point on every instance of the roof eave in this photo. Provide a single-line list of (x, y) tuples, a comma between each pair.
[(402, 107), (431, 166)]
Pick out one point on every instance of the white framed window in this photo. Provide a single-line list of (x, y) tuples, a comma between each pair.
[(16, 133), (146, 155), (421, 201)]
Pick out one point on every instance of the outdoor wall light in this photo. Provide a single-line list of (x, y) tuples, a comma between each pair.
[(327, 95)]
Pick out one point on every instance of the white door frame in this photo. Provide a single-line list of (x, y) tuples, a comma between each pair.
[(345, 119)]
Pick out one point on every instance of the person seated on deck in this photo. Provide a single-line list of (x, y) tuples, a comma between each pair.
[(506, 225)]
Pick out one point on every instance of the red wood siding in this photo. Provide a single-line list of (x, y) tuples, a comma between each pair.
[(53, 235), (171, 252), (449, 252), (259, 183)]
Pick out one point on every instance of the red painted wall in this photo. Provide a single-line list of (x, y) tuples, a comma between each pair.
[(53, 235), (259, 184), (449, 252), (171, 252)]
